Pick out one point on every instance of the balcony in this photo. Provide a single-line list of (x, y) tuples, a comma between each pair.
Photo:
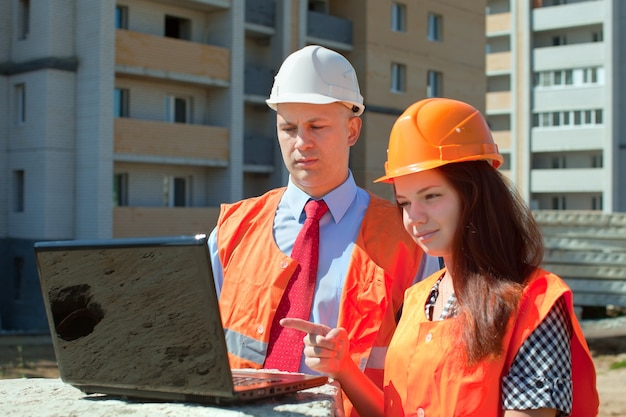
[(332, 29), (201, 5), (498, 62), (498, 23), (502, 138), (584, 13), (163, 221), (547, 99), (559, 139), (168, 58), (580, 55), (567, 180), (170, 143), (498, 102)]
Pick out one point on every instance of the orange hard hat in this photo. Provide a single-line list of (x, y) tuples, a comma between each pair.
[(438, 131)]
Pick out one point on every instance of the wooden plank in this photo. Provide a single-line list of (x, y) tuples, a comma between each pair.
[(560, 256), (597, 286), (585, 244), (586, 271)]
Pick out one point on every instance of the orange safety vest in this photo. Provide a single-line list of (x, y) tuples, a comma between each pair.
[(384, 263), (424, 375)]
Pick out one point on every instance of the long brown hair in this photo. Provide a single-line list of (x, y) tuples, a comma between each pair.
[(496, 248)]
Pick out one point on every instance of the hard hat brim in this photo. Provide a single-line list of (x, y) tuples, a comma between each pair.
[(311, 99), (495, 160)]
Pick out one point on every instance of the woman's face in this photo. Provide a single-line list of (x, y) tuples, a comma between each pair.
[(430, 210)]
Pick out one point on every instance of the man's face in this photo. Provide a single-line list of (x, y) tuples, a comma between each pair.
[(315, 141)]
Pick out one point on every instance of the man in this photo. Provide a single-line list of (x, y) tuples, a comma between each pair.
[(366, 258)]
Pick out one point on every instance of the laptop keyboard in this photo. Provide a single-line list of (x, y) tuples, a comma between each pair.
[(242, 381)]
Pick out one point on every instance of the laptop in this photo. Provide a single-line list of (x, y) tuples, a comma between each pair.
[(140, 318)]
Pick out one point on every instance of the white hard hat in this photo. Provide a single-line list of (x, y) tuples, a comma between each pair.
[(316, 75)]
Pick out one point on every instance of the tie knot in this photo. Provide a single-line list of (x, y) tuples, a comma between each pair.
[(315, 209)]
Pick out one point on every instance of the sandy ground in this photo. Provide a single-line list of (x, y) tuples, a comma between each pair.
[(34, 357), (609, 354)]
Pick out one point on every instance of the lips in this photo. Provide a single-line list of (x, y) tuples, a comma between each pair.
[(424, 234), (305, 161)]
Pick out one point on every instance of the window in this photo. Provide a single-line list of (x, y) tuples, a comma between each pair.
[(556, 78), (596, 161), (569, 77), (559, 40), (120, 102), (320, 6), (598, 117), (558, 203), (590, 76), (18, 191), (559, 162), (176, 27), (597, 36), (398, 78), (178, 109), (121, 17), (536, 120), (398, 17), (120, 189), (434, 84), (537, 79), (568, 118), (20, 104), (435, 27), (596, 203), (577, 117), (175, 193), (23, 19)]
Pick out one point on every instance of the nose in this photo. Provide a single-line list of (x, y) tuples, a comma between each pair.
[(303, 139), (415, 216)]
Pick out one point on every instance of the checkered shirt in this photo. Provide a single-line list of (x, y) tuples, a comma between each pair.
[(541, 374)]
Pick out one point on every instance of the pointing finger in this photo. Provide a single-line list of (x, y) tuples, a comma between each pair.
[(305, 326)]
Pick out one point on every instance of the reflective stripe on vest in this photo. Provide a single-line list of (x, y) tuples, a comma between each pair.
[(246, 347)]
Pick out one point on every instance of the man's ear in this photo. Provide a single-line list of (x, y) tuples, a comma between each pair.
[(354, 129)]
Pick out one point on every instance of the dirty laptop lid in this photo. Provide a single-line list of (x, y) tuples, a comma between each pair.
[(140, 318)]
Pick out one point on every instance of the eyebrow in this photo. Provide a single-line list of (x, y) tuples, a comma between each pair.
[(314, 119), (420, 191)]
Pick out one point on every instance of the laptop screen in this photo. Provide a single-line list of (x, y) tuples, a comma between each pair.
[(137, 314)]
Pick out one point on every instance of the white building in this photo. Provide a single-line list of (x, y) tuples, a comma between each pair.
[(556, 99)]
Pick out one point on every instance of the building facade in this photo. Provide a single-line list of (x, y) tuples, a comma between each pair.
[(556, 97), (139, 117)]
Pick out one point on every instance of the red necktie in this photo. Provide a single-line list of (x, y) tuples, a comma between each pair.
[(285, 346)]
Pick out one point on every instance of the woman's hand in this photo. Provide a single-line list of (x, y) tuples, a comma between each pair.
[(325, 349)]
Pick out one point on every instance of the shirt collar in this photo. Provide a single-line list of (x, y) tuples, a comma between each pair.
[(338, 200)]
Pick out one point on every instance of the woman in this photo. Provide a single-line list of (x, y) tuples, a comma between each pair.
[(492, 334)]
